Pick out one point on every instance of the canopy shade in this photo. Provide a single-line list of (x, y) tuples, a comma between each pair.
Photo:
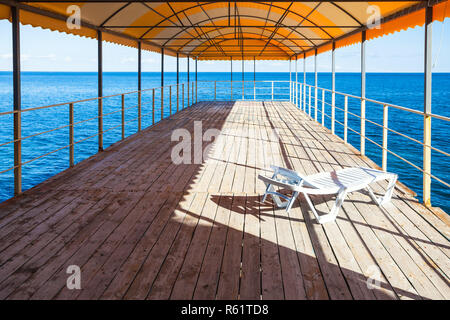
[(214, 30)]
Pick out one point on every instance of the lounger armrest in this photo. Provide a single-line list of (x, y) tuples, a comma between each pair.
[(286, 172), (294, 187)]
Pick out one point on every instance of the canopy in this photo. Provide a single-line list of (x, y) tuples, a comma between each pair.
[(212, 30)]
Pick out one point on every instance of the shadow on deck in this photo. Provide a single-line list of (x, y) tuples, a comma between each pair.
[(141, 227)]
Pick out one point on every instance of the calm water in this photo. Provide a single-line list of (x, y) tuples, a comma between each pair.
[(41, 89)]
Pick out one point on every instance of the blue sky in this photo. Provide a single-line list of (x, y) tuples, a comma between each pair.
[(44, 50)]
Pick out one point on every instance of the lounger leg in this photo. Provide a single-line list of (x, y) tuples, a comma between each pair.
[(334, 211), (387, 196), (291, 202)]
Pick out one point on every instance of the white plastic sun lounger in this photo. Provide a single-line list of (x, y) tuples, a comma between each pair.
[(338, 182)]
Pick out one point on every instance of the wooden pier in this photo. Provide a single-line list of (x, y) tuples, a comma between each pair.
[(141, 227)]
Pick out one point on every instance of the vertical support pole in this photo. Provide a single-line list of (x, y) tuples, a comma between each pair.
[(188, 81), (215, 90), (385, 137), (243, 88), (272, 90), (345, 118), (170, 100), (290, 79), (153, 106), (139, 86), (182, 95), (100, 90), (296, 82), (123, 116), (71, 145), (315, 84), (363, 93), (178, 81), (162, 83), (17, 101), (304, 82), (254, 78), (231, 77), (309, 102), (427, 108), (196, 79), (333, 89), (323, 107)]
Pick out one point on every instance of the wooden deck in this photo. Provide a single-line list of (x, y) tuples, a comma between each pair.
[(141, 227)]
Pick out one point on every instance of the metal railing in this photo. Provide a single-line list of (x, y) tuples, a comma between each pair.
[(227, 90), (301, 97), (298, 93), (72, 124)]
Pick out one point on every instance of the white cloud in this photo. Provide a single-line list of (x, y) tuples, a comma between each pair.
[(6, 56)]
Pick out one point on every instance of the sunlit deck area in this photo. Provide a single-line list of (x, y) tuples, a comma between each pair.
[(141, 227)]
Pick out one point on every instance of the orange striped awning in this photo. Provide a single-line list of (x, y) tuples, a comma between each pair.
[(212, 30)]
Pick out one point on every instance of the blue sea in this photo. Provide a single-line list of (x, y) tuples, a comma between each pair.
[(45, 88)]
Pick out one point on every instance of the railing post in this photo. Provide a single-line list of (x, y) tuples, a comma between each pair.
[(272, 90), (243, 90), (123, 116), (215, 90), (15, 11), (333, 88), (254, 90), (333, 110), (309, 102), (170, 100), (71, 145), (427, 107), (300, 96), (182, 95), (304, 97), (385, 137), (100, 89), (178, 96), (139, 111), (231, 84), (100, 124), (363, 93), (345, 118), (162, 103), (323, 107), (153, 106), (193, 93)]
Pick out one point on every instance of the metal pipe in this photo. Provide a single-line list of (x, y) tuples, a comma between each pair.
[(254, 78), (100, 90), (123, 116), (188, 81), (139, 86), (178, 81), (15, 15), (290, 80), (333, 88), (427, 107), (363, 93), (385, 137), (231, 77), (162, 83), (315, 85), (304, 82), (71, 145), (296, 82), (345, 118), (243, 88), (196, 78)]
